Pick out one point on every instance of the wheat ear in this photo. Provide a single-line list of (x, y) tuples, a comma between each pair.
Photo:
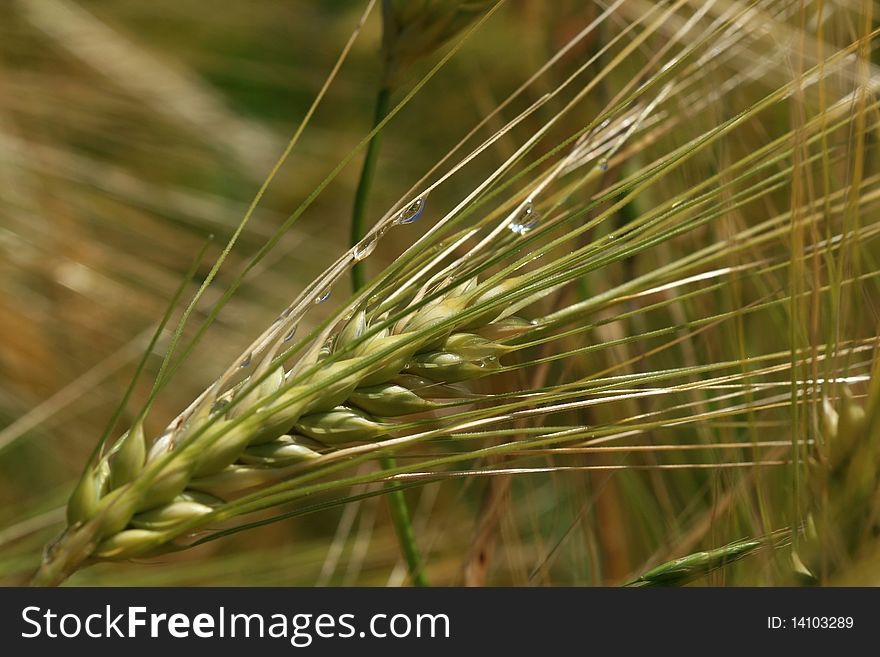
[(266, 428)]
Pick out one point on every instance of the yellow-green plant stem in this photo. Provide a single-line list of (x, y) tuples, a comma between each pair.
[(396, 499)]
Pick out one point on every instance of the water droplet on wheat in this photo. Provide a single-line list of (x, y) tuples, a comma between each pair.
[(411, 212), (246, 361), (289, 335), (365, 247), (602, 164), (525, 220), (323, 296)]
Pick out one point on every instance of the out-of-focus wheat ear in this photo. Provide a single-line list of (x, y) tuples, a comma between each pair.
[(842, 488), (414, 29), (849, 429), (699, 564)]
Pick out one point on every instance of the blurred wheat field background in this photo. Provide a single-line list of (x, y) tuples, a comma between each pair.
[(677, 198)]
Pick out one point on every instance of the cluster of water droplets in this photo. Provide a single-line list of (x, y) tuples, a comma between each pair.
[(288, 320), (407, 215)]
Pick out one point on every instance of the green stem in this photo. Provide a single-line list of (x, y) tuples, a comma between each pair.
[(383, 99), (396, 500), (403, 526)]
